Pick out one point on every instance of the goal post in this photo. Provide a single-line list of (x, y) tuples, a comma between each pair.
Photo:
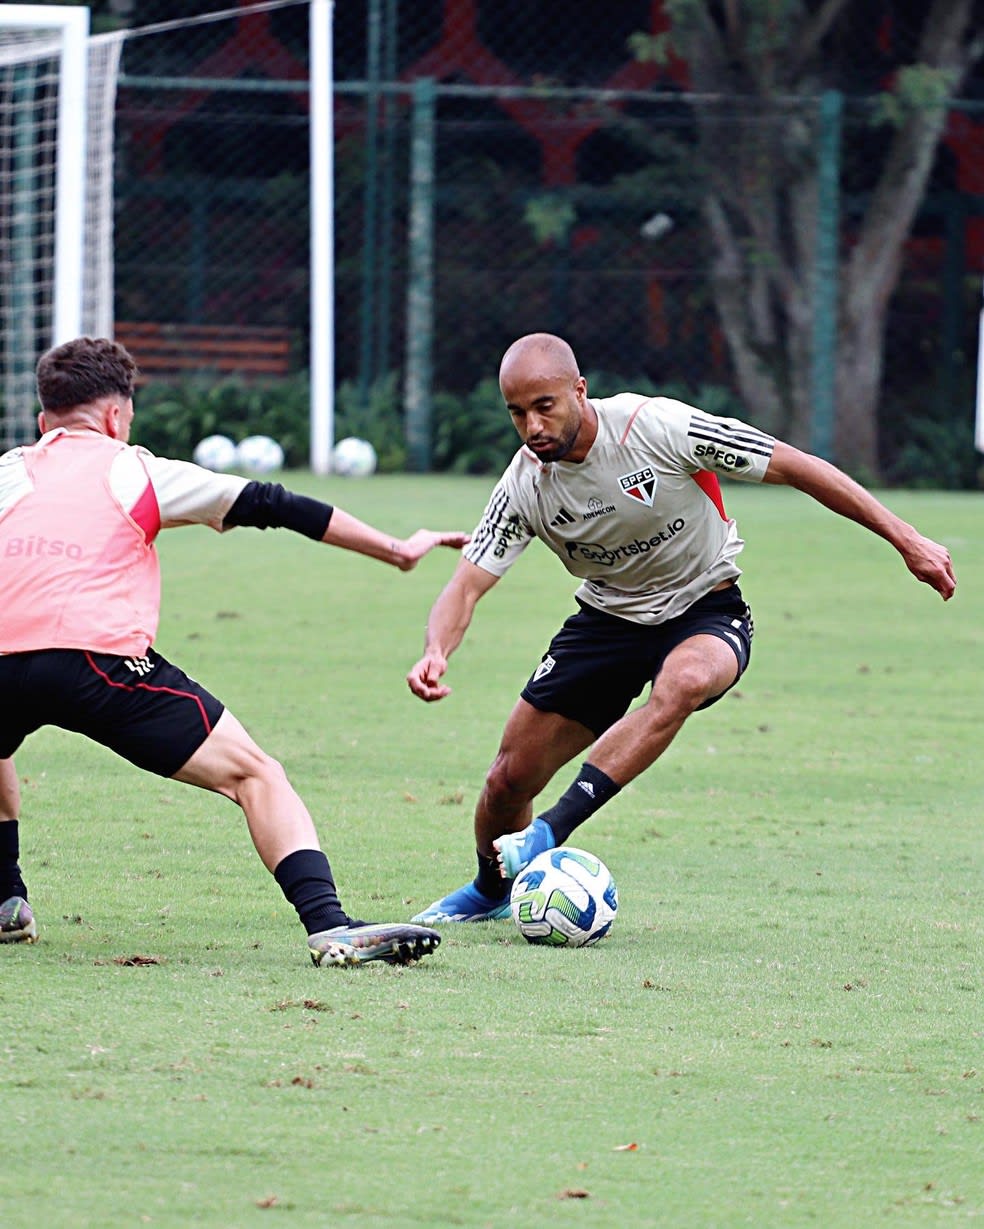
[(979, 409), (322, 263), (43, 72), (58, 88)]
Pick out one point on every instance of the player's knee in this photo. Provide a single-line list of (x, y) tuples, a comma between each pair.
[(505, 783), (268, 769), (253, 768), (682, 695)]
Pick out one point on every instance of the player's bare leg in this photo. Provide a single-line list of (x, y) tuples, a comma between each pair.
[(695, 671), (17, 923), (9, 791), (230, 763), (534, 746)]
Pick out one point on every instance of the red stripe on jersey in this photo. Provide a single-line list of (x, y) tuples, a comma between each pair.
[(147, 513), (628, 425), (709, 484), (171, 691)]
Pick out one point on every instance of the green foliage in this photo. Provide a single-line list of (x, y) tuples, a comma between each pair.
[(380, 420), (713, 398), (172, 418), (473, 435), (917, 87), (936, 455), (651, 48), (550, 217)]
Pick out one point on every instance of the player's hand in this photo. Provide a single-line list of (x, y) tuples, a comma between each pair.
[(411, 550), (424, 680), (930, 562)]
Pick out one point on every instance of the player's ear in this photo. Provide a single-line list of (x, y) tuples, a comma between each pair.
[(41, 424)]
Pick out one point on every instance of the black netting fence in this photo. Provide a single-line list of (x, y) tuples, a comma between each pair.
[(563, 182)]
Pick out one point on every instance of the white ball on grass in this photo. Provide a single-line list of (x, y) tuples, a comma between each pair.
[(354, 458), (215, 452), (566, 897), (259, 454)]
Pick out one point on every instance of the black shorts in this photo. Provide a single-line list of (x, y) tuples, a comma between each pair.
[(143, 708), (597, 663)]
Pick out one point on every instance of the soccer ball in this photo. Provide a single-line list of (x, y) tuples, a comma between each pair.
[(215, 452), (354, 458), (564, 898), (259, 454)]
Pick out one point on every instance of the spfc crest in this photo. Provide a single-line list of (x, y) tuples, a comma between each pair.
[(640, 486)]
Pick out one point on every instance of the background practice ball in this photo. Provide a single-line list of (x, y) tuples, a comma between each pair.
[(215, 452), (259, 454), (354, 458), (566, 897)]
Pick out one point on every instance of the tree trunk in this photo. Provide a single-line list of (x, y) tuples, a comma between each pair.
[(759, 151)]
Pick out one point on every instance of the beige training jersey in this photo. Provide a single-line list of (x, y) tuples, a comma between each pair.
[(640, 520)]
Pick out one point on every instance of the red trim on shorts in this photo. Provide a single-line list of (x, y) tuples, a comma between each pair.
[(628, 425), (709, 484), (172, 691)]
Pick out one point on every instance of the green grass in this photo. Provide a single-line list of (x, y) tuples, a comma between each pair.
[(787, 1022)]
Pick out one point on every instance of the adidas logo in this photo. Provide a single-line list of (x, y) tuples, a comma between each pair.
[(587, 787), (563, 517)]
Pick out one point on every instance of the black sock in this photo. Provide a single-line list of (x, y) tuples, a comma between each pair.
[(488, 880), (306, 880), (591, 790), (11, 882)]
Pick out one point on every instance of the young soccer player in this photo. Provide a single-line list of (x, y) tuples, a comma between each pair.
[(79, 515)]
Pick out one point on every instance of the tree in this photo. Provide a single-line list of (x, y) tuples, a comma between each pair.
[(758, 69)]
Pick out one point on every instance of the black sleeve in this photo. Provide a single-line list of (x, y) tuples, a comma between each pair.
[(267, 505)]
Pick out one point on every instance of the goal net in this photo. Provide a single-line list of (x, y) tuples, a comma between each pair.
[(57, 93)]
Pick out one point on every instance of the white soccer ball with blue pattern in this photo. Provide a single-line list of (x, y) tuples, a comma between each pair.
[(215, 452), (566, 897), (353, 458), (259, 454)]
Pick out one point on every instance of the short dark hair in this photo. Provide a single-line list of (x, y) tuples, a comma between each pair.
[(82, 371)]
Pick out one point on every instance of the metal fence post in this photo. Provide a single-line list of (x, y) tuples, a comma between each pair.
[(823, 376), (370, 204), (420, 279)]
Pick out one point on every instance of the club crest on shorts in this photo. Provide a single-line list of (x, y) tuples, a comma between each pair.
[(544, 667), (640, 486)]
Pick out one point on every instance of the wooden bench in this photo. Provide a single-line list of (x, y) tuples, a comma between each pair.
[(166, 351)]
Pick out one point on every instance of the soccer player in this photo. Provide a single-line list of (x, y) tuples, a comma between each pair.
[(79, 513), (625, 492)]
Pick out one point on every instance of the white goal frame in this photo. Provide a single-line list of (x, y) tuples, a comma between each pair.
[(82, 290), (72, 24), (59, 36)]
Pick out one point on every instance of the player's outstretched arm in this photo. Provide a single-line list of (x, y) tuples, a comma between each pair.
[(446, 626), (927, 560), (350, 533)]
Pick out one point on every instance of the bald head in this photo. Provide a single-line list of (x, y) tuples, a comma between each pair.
[(547, 398), (538, 356)]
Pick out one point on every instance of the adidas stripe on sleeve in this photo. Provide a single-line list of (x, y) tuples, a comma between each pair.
[(502, 534), (728, 446)]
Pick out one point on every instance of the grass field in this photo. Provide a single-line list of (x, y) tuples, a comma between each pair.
[(785, 1028)]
